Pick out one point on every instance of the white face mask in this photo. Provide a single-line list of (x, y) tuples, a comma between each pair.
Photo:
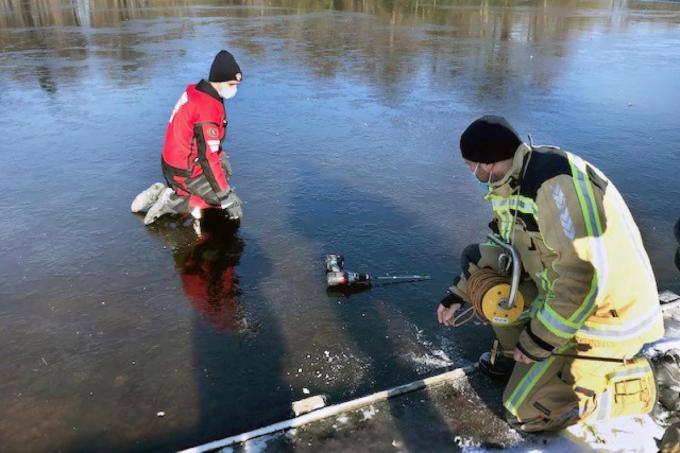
[(228, 92), (486, 185)]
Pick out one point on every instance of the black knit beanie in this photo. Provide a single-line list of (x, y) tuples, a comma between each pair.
[(224, 68), (489, 139)]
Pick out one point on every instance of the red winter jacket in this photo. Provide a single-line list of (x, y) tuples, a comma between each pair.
[(193, 144)]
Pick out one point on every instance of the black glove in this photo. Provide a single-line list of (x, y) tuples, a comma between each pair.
[(450, 299), (232, 205)]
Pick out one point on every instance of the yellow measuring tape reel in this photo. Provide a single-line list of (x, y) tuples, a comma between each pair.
[(489, 294)]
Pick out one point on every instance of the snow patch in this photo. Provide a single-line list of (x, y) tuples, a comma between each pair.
[(369, 412), (465, 442), (665, 344), (328, 368), (624, 434), (257, 445), (431, 360)]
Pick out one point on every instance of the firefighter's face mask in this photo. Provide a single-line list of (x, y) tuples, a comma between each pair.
[(486, 185)]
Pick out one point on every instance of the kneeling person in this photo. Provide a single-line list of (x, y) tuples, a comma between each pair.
[(583, 259), (193, 162)]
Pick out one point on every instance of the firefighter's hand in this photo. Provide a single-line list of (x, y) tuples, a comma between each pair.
[(447, 316), (518, 356)]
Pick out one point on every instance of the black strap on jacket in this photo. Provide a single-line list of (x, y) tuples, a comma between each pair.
[(169, 171), (203, 158)]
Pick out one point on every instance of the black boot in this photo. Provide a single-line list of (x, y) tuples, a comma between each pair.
[(500, 370)]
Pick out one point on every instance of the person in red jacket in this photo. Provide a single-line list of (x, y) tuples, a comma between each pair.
[(193, 162)]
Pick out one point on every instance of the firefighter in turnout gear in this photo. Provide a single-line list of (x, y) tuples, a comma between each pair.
[(193, 162), (587, 283)]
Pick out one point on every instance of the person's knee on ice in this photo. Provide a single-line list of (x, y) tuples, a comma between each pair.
[(144, 200), (168, 203)]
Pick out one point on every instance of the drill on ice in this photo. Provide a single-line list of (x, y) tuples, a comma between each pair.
[(336, 275)]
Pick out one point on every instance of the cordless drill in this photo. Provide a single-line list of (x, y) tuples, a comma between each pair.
[(337, 276)]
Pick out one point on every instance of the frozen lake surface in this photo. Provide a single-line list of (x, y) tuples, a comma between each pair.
[(343, 137)]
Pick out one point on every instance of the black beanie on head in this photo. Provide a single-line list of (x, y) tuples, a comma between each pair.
[(224, 68), (489, 139)]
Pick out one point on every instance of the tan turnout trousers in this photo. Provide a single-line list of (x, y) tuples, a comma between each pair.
[(557, 392)]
